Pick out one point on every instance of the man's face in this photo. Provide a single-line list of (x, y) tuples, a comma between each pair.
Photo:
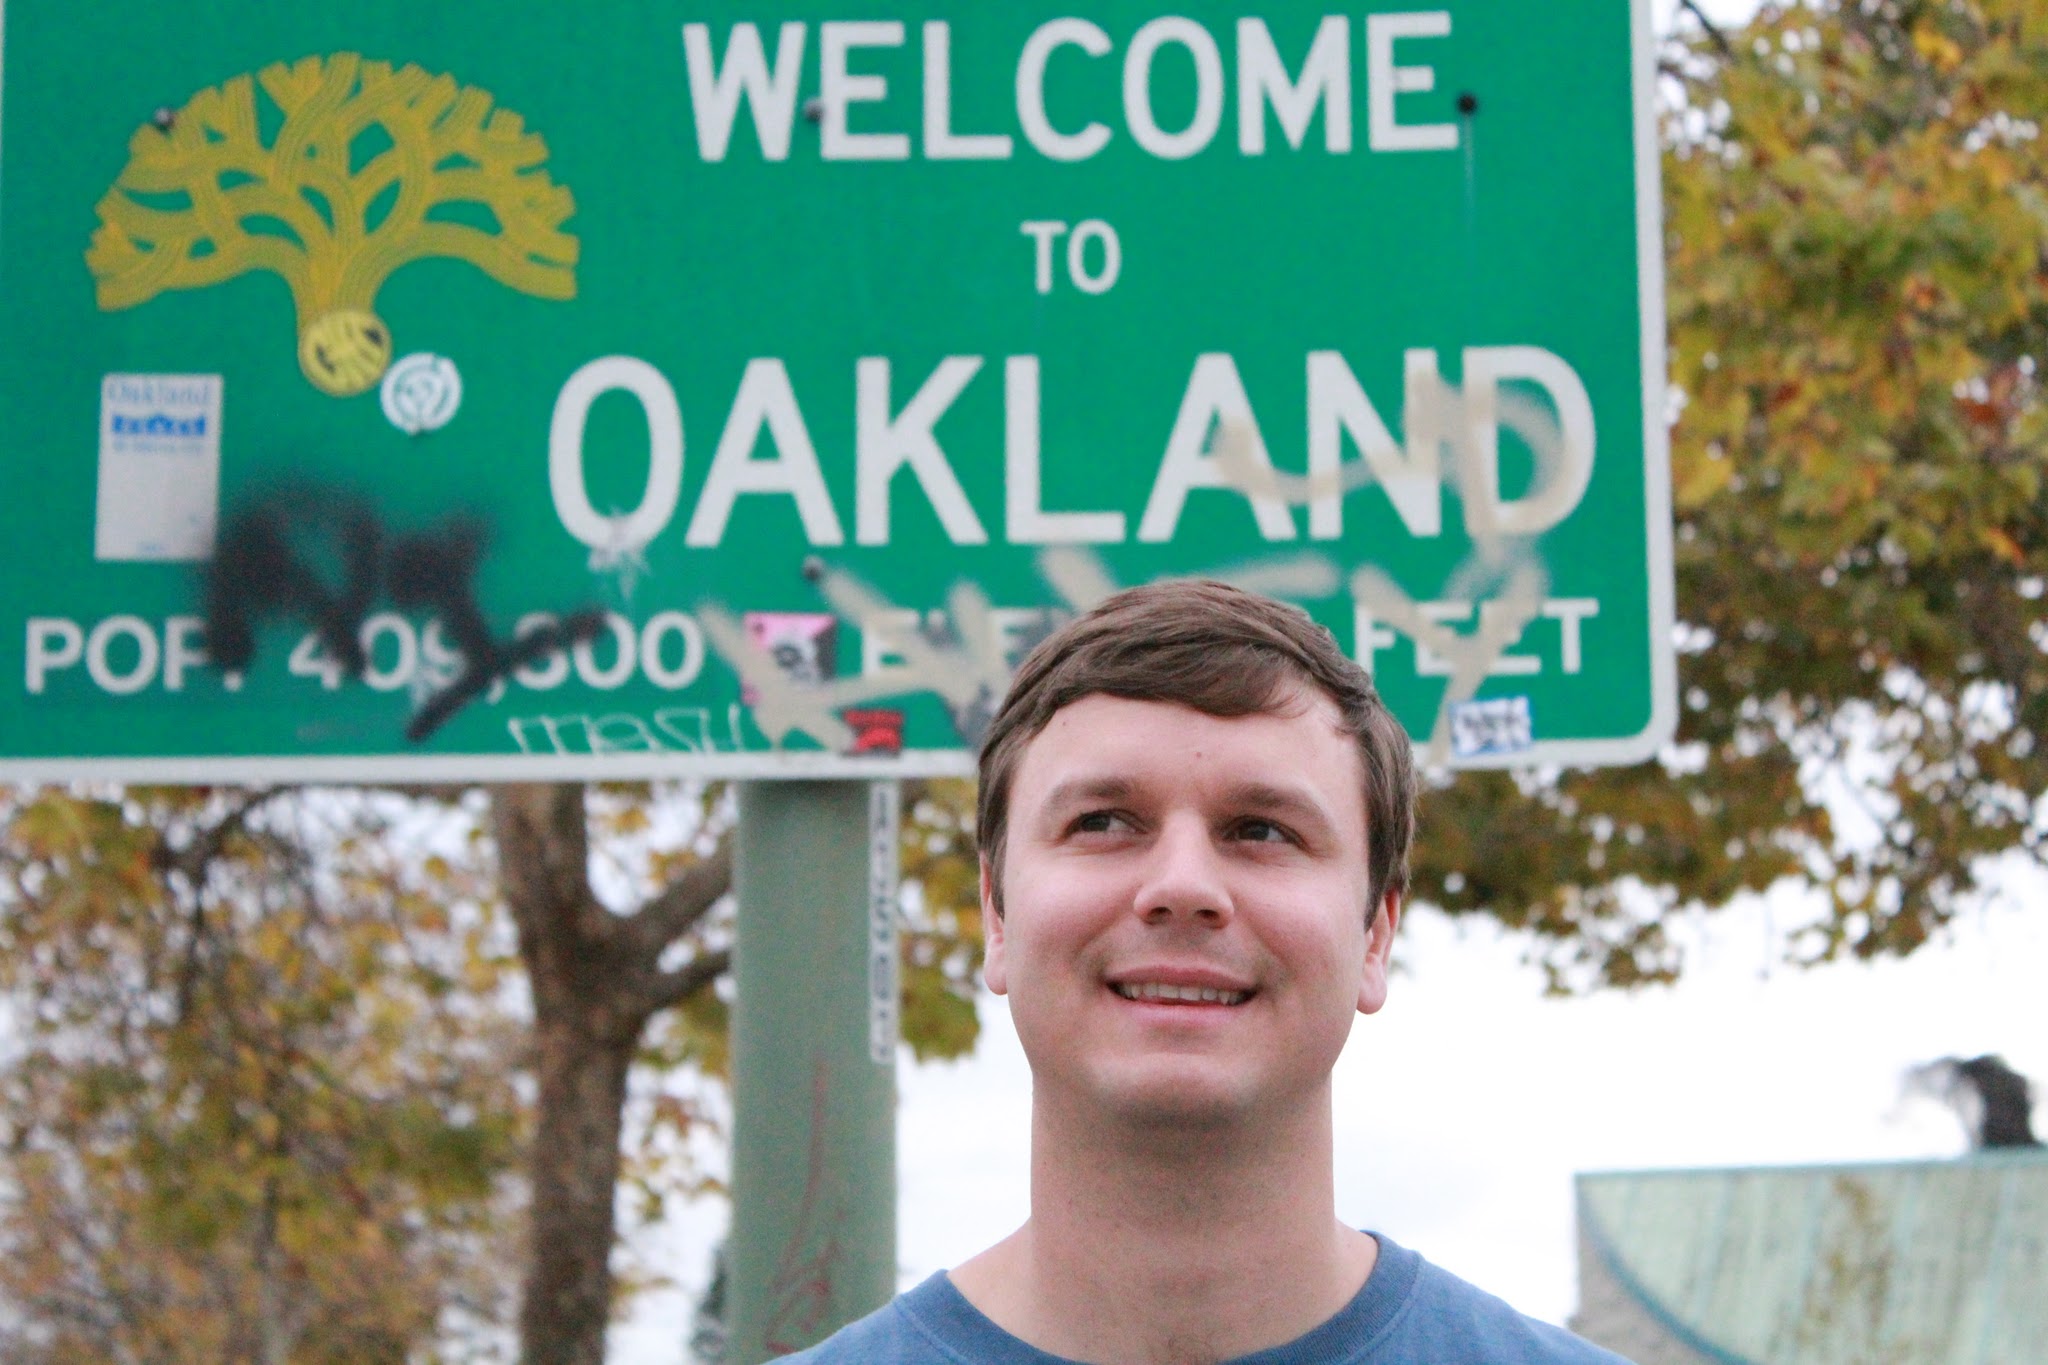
[(1184, 934)]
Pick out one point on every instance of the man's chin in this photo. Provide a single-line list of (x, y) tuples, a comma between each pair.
[(1188, 1106)]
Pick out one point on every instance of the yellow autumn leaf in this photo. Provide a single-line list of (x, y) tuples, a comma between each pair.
[(1941, 51), (2000, 543)]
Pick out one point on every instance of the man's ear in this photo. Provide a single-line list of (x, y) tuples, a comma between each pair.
[(1379, 947), (994, 968)]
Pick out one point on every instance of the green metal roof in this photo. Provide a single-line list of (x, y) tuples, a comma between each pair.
[(1907, 1263)]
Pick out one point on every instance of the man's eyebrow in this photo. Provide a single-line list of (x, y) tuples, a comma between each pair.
[(1103, 788), (1293, 801)]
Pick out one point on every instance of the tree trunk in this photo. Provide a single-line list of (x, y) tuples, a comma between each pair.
[(575, 1169), (597, 979), (582, 1048)]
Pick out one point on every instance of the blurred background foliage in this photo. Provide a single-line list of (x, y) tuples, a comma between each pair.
[(258, 1096)]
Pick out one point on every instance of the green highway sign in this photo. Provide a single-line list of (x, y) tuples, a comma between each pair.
[(472, 392)]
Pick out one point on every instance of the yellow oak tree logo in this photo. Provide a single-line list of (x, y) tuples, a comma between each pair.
[(364, 169)]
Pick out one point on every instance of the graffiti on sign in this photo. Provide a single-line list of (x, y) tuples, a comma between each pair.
[(268, 566)]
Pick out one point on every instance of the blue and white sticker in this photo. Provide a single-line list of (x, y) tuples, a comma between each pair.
[(1490, 728), (159, 477)]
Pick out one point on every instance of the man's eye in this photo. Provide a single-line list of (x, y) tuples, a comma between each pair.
[(1262, 832), (1099, 822)]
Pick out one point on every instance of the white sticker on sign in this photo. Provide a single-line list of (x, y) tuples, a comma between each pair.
[(1498, 725), (159, 490), (421, 393)]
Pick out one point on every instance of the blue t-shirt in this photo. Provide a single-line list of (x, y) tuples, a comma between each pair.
[(1407, 1313)]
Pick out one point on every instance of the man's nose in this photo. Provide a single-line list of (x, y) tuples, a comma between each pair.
[(1183, 877)]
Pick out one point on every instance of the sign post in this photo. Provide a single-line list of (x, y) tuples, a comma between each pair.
[(813, 1241), (689, 389)]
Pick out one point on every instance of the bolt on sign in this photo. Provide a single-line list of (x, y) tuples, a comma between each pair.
[(731, 390)]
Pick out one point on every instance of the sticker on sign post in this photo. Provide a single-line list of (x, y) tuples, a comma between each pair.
[(1492, 728), (159, 477), (876, 729), (885, 816), (803, 644)]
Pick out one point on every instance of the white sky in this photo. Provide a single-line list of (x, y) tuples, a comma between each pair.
[(1721, 11), (1465, 1108)]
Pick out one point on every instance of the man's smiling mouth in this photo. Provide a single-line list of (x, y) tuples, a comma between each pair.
[(1160, 993)]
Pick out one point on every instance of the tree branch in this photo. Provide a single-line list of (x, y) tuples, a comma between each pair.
[(544, 868), (195, 862), (684, 902), (1713, 29), (443, 792), (672, 988), (206, 844)]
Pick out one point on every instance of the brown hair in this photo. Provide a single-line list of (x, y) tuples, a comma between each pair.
[(1219, 650)]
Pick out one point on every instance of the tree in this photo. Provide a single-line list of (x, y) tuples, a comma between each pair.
[(370, 169), (257, 1104), (323, 969), (1856, 206)]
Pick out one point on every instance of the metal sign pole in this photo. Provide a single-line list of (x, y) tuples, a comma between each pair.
[(814, 1028)]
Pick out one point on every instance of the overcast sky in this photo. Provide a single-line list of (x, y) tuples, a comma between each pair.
[(1465, 1108), (1725, 11)]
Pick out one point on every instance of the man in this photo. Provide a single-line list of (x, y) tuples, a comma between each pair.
[(1195, 815)]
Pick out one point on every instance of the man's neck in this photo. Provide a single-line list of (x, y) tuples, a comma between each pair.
[(1170, 1246)]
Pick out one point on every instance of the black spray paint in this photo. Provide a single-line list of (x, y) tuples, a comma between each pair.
[(309, 555)]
